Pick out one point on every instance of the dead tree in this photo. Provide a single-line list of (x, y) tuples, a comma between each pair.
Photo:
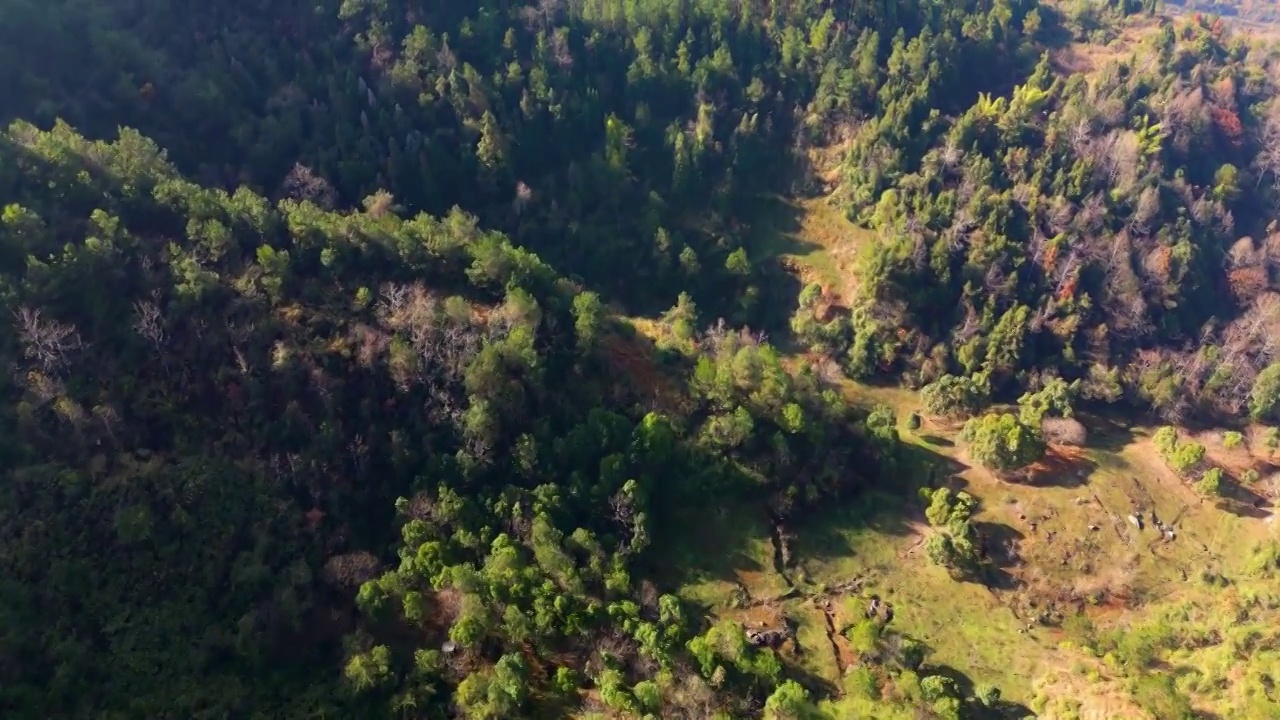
[(48, 343)]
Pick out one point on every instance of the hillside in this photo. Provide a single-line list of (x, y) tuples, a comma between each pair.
[(637, 358)]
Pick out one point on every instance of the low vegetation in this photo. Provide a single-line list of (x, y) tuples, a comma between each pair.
[(637, 358)]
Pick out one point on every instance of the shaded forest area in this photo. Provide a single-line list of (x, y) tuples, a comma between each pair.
[(320, 400)]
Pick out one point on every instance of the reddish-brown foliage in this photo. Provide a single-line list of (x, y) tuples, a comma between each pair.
[(1069, 288), (1160, 262), (1228, 123), (1247, 283), (1049, 257)]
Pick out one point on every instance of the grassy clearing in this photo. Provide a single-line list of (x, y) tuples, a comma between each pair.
[(725, 561), (1064, 540), (1065, 544), (810, 236)]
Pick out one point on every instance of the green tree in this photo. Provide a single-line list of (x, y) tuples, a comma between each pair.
[(1055, 399), (588, 319), (1002, 442), (790, 702), (952, 395), (1264, 399)]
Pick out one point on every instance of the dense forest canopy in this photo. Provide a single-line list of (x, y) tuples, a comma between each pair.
[(321, 399)]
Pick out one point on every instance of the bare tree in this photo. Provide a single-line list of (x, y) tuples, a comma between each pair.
[(542, 15), (109, 418), (350, 570), (1147, 210), (560, 51), (524, 195), (149, 323), (302, 183), (46, 342), (1267, 161)]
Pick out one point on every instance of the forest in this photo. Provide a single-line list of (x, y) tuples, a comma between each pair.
[(366, 358)]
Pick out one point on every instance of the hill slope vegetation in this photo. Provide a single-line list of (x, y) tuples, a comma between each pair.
[(408, 358)]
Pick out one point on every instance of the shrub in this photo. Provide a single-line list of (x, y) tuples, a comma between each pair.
[(1232, 439), (956, 395), (860, 682), (987, 695), (1211, 482), (1187, 456), (1166, 440), (1064, 431), (1002, 442)]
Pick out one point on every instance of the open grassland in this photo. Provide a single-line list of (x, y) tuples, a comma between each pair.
[(1076, 565), (812, 238), (1066, 553)]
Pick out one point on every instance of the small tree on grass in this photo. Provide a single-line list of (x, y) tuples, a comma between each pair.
[(1002, 442), (1232, 439), (789, 702), (955, 543), (956, 395), (1183, 457), (1054, 400), (1264, 399), (1211, 482)]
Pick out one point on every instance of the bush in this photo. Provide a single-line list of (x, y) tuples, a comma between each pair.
[(860, 682), (936, 687), (913, 422), (956, 395), (987, 695), (1002, 442), (1166, 440), (1187, 456), (1158, 695), (1182, 457), (1232, 439), (1211, 482), (1064, 431)]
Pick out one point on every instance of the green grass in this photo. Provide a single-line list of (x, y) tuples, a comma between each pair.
[(726, 551), (1225, 649), (812, 235), (1120, 576)]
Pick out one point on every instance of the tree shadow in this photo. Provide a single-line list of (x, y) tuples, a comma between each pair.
[(711, 545), (938, 441), (1000, 542), (1242, 501), (829, 534), (931, 469), (817, 685), (973, 707), (770, 228), (1061, 466), (1106, 433)]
